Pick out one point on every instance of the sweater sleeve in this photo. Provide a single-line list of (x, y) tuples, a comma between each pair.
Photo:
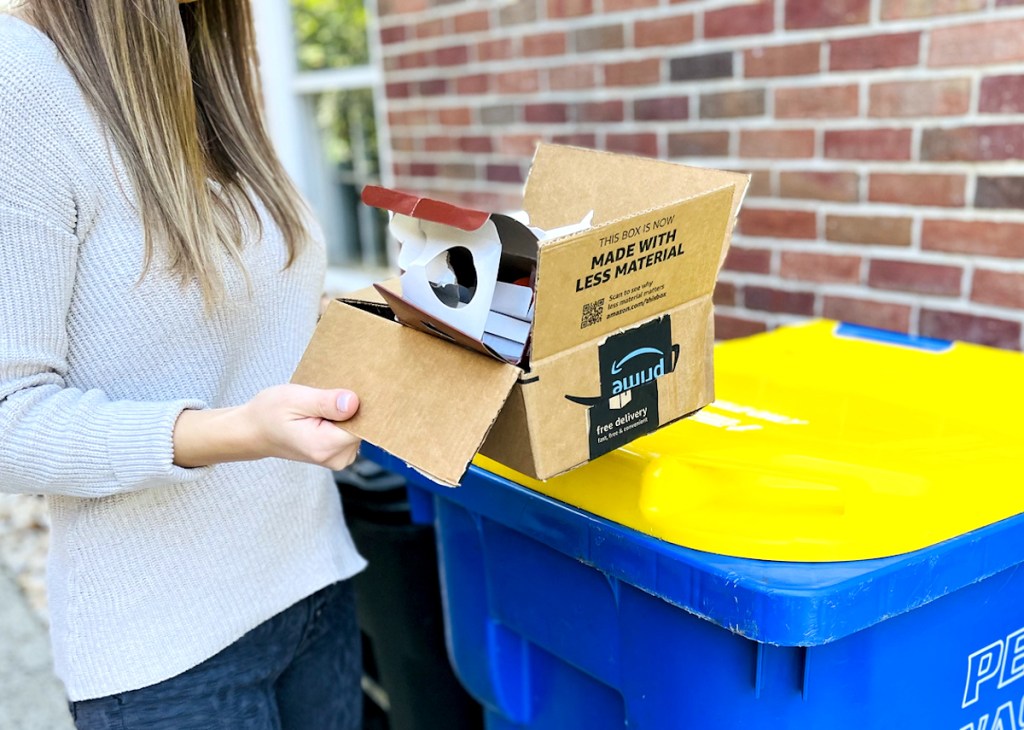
[(55, 439)]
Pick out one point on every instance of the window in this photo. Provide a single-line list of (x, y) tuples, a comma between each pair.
[(322, 91)]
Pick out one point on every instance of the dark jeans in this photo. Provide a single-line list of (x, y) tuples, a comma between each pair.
[(298, 671)]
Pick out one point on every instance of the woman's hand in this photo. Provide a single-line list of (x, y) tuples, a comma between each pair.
[(285, 421)]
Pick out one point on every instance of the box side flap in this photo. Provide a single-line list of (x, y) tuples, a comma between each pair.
[(566, 183), (426, 402), (613, 276), (415, 206)]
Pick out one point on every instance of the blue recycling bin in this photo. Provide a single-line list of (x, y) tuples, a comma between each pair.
[(836, 543), (558, 619)]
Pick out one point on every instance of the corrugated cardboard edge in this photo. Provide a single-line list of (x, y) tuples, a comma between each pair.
[(417, 393)]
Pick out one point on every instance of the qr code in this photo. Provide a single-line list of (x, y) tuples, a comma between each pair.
[(593, 313)]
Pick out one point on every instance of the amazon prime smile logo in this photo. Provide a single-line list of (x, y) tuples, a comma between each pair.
[(638, 376)]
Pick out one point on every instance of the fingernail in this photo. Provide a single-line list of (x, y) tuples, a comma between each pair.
[(345, 402)]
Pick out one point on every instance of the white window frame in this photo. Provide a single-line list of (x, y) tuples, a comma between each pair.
[(289, 97)]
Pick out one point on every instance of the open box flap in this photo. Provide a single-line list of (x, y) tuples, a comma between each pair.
[(615, 275), (565, 183), (426, 402)]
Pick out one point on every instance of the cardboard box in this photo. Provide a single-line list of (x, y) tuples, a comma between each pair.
[(622, 337)]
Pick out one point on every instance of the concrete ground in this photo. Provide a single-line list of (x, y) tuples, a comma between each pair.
[(31, 697)]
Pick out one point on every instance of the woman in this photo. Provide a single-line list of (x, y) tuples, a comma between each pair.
[(158, 281)]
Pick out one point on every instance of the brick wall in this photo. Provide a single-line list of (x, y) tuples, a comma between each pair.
[(885, 137)]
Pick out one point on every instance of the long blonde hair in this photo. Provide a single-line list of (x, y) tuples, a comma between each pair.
[(178, 87)]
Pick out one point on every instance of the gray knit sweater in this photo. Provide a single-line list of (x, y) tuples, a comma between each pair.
[(153, 568)]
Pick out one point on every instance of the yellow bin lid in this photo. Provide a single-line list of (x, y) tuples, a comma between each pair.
[(827, 442)]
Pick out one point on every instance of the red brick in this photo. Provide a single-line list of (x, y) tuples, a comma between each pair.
[(518, 145), (517, 12), (915, 277), (819, 267), (883, 315), (839, 186), (941, 97), (868, 144), (413, 117), (1002, 94), (474, 84), (397, 91), (823, 13), (909, 189), (456, 171), (577, 139), (999, 288), (452, 56), (804, 58), (663, 31), (472, 22), (615, 6), (505, 173), (717, 65), (900, 9), (599, 38), (547, 113), (868, 229), (977, 44), (778, 223), (393, 34), (733, 104), (875, 51), (725, 294), (455, 116), (431, 28), (970, 328), (749, 260), (499, 114), (633, 73), (422, 169), (389, 7), (569, 8), (545, 44), (729, 328), (777, 144), (746, 19), (669, 108), (432, 87), (768, 299), (601, 111), (438, 144), (476, 144), (969, 144), (495, 50), (580, 76), (644, 144), (982, 238), (403, 143), (698, 144), (817, 102), (760, 183), (999, 192), (416, 59), (526, 81)]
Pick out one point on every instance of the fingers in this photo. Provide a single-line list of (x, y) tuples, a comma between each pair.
[(337, 404), (337, 450), (346, 403)]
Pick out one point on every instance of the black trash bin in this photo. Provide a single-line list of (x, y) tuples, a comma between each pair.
[(408, 681)]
